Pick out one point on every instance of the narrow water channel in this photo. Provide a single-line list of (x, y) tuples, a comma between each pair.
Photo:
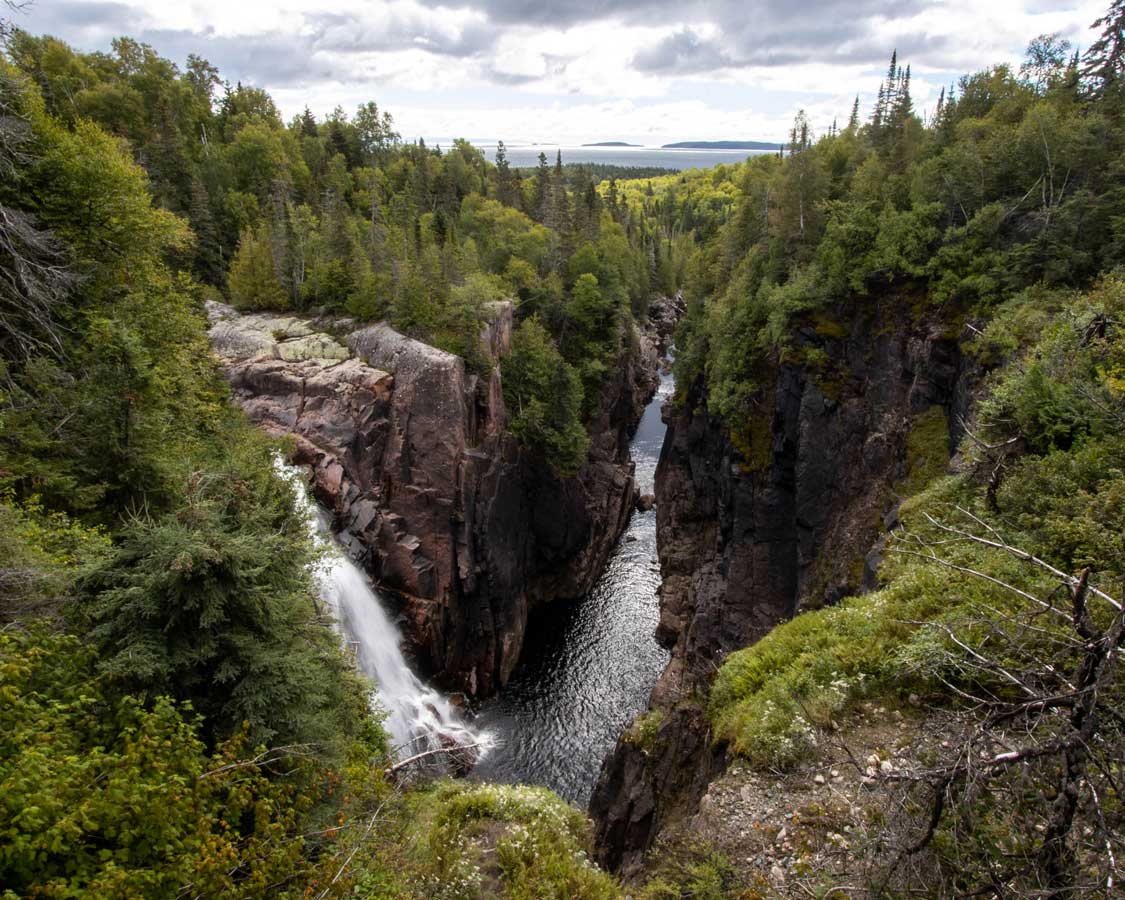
[(587, 668)]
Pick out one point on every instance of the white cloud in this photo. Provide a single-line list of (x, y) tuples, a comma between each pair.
[(646, 70)]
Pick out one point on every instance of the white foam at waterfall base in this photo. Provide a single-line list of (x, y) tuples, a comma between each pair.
[(418, 718)]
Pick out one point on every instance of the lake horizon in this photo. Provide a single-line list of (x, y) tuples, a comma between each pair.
[(525, 155)]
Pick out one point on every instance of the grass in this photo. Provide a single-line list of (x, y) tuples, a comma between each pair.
[(517, 842), (642, 732), (699, 874), (927, 451), (773, 700)]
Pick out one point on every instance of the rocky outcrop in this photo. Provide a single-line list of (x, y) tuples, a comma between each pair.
[(465, 529), (664, 315), (777, 518)]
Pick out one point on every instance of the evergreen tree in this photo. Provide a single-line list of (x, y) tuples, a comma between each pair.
[(543, 396), (505, 184), (308, 123), (253, 279), (208, 250), (1103, 65), (542, 189), (878, 113)]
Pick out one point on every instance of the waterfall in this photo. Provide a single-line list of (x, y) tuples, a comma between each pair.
[(418, 718)]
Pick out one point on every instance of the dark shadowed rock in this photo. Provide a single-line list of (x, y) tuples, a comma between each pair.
[(746, 543)]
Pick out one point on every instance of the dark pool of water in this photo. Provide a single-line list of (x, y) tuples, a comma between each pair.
[(588, 667)]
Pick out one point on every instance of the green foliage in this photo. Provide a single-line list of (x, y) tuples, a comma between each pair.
[(772, 699), (104, 426), (642, 732), (212, 603), (253, 281), (1060, 498), (1065, 388), (544, 398), (101, 796), (40, 557), (705, 875), (470, 306), (997, 194), (521, 843), (927, 450)]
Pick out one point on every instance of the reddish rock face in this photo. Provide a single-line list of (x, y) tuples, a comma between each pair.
[(444, 509)]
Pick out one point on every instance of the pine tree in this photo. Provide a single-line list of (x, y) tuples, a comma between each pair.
[(1103, 65), (308, 123), (208, 256), (542, 189), (504, 184), (853, 120)]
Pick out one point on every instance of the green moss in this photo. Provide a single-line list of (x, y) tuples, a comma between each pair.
[(515, 842), (697, 872), (829, 327), (832, 388), (642, 732), (927, 451), (753, 439), (771, 700)]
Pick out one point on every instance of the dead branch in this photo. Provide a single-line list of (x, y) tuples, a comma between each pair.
[(265, 758), (399, 766)]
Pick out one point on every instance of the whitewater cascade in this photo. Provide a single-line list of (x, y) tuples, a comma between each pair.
[(418, 717)]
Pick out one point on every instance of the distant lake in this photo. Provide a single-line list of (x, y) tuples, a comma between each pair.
[(526, 155)]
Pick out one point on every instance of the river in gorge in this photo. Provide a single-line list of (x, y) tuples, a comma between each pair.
[(587, 668)]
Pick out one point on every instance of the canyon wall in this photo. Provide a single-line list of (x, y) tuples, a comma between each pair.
[(792, 520), (463, 528)]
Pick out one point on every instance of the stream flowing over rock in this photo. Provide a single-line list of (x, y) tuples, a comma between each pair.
[(748, 539), (461, 527)]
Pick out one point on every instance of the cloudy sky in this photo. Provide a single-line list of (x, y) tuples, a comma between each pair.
[(647, 71)]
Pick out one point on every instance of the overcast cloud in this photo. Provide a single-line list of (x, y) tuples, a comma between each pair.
[(648, 71)]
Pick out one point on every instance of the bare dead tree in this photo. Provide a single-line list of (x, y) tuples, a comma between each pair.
[(35, 277), (1027, 802), (6, 26)]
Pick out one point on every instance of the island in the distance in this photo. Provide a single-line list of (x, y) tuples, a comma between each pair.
[(611, 144), (721, 145)]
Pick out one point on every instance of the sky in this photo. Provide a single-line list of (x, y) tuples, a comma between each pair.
[(644, 71)]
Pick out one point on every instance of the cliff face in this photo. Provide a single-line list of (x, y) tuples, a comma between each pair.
[(747, 539), (437, 501)]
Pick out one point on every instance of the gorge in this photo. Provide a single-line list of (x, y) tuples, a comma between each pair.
[(398, 418), (380, 520)]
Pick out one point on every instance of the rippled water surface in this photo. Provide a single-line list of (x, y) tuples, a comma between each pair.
[(587, 667)]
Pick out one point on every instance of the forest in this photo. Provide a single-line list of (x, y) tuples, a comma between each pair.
[(177, 718)]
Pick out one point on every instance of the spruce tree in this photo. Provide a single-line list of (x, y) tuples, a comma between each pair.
[(308, 123), (208, 256), (504, 183), (542, 189), (1103, 66)]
